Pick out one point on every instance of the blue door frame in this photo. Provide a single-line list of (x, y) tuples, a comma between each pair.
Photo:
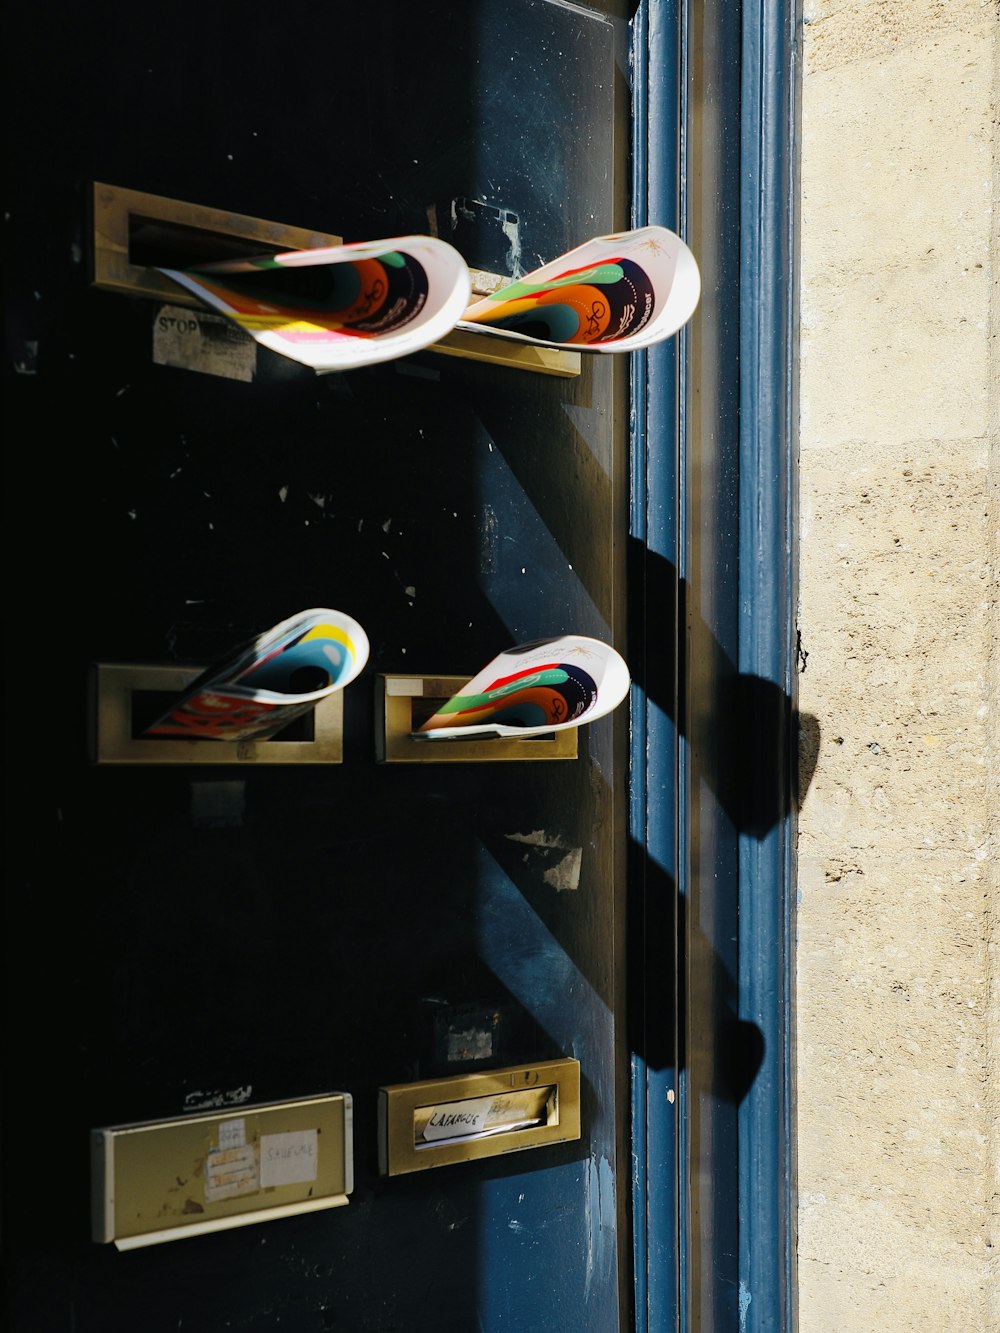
[(714, 659)]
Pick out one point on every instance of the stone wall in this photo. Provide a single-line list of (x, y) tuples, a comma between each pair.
[(898, 1009)]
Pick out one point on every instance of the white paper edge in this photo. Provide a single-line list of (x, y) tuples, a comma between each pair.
[(343, 621), (681, 302), (418, 334)]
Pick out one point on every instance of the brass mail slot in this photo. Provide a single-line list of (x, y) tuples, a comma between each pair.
[(403, 702), (162, 1180), (134, 233), (123, 695), (439, 1122), (516, 356)]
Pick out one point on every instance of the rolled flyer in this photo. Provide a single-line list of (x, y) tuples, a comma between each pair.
[(343, 306), (614, 293), (270, 681), (534, 689)]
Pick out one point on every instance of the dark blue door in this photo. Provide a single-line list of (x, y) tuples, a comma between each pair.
[(338, 924)]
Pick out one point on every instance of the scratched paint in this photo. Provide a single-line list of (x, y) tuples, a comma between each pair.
[(511, 229), (537, 838), (562, 873), (745, 1299), (564, 876), (207, 1101), (600, 1201)]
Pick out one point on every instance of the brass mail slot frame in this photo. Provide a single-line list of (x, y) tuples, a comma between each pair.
[(404, 1107), (127, 225), (120, 215), (114, 685), (164, 1180), (403, 701), (514, 355)]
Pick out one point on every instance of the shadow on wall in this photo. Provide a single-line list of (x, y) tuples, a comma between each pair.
[(655, 1034), (742, 726), (757, 720), (756, 755)]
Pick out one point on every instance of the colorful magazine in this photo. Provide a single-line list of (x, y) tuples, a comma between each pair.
[(340, 306), (612, 294), (269, 681), (343, 306), (534, 689)]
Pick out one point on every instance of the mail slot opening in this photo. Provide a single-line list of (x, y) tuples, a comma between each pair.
[(423, 709), (485, 1117), (147, 706), (162, 243), (136, 234)]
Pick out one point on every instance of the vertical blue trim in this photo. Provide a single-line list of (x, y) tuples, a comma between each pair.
[(638, 708), (767, 646), (657, 1239), (764, 1163)]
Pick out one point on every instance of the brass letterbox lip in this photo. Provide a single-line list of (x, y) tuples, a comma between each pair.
[(395, 694), (133, 1169), (403, 1105), (112, 685), (515, 356)]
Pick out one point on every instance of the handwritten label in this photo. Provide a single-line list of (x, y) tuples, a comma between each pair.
[(480, 1117), (230, 1172), (289, 1159), (453, 1119), (232, 1133)]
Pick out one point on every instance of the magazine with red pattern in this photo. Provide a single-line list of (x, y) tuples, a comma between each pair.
[(270, 680), (340, 306)]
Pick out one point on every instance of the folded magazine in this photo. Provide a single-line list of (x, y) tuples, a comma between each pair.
[(612, 294), (534, 689), (340, 306), (343, 306), (270, 680)]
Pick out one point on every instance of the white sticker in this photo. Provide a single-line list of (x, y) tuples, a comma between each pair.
[(289, 1159), (471, 1044), (396, 687), (232, 1133), (230, 1172), (196, 340)]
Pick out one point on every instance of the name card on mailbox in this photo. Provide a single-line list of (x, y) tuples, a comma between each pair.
[(441, 1121)]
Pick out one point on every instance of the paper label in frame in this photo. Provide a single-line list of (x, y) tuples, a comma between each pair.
[(289, 1159), (197, 340), (232, 1133), (230, 1172)]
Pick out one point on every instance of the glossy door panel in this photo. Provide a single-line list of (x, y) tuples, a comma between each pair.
[(182, 939)]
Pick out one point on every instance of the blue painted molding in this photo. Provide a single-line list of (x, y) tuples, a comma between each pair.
[(768, 594), (654, 804), (738, 1269)]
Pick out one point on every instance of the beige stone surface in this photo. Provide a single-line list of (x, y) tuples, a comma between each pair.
[(840, 34), (898, 1001), (897, 577), (897, 186)]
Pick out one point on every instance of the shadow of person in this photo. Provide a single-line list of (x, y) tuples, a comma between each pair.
[(662, 950)]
